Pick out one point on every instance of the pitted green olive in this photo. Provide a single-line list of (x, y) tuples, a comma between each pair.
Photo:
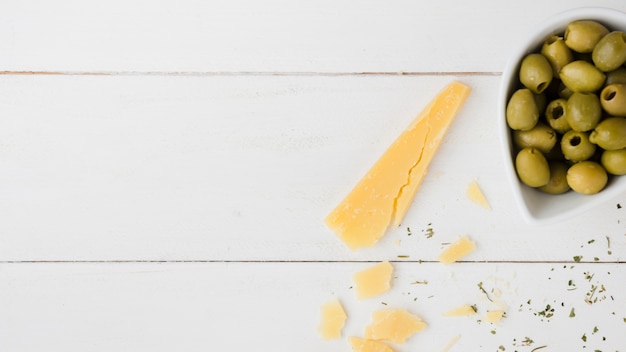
[(610, 133), (582, 36), (522, 112), (583, 111), (532, 167), (582, 76), (557, 53), (558, 178), (616, 76), (541, 137), (614, 161), (556, 112), (610, 52), (576, 146), (535, 72), (613, 99), (587, 177)]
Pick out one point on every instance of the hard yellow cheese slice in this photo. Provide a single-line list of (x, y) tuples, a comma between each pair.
[(332, 320), (364, 345), (476, 195), (382, 197), (373, 280), (457, 250), (395, 325)]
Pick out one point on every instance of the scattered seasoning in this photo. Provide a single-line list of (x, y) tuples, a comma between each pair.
[(527, 341), (548, 312), (480, 286), (423, 282), (571, 313), (608, 245), (584, 337), (493, 332), (538, 348), (475, 309), (383, 303), (408, 229), (619, 206), (595, 259), (577, 258), (501, 348), (571, 285), (429, 232), (403, 256)]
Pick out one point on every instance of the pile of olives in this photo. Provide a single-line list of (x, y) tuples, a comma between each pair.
[(568, 114)]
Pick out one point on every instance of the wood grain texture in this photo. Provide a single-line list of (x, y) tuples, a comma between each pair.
[(275, 306), (274, 36), (165, 168), (242, 168)]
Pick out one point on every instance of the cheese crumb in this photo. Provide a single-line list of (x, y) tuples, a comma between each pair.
[(476, 195), (374, 280), (494, 316), (451, 343), (463, 310), (363, 345), (333, 318), (457, 250), (395, 325)]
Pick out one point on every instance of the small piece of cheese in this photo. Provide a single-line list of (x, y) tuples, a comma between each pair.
[(476, 195), (494, 316), (395, 325), (333, 318), (382, 197), (451, 343), (463, 310), (363, 345), (373, 280), (457, 250)]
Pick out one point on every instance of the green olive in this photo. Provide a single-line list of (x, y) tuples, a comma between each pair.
[(576, 146), (616, 76), (613, 99), (610, 52), (556, 112), (582, 36), (587, 177), (557, 53), (541, 137), (614, 161), (610, 133), (563, 91), (558, 179), (583, 111), (582, 76), (532, 167), (522, 112), (535, 72)]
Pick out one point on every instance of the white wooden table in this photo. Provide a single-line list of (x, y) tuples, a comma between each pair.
[(165, 168)]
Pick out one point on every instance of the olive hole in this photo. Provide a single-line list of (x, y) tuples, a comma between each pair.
[(557, 112), (541, 86), (574, 141), (610, 94)]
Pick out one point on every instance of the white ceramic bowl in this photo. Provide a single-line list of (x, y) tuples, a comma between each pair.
[(537, 207)]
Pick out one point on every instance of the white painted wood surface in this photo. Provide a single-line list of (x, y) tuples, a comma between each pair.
[(165, 168)]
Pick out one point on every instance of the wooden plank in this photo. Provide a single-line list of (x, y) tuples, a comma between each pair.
[(275, 306), (276, 35), (246, 168)]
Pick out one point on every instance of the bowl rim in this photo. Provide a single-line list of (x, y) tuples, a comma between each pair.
[(529, 43)]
